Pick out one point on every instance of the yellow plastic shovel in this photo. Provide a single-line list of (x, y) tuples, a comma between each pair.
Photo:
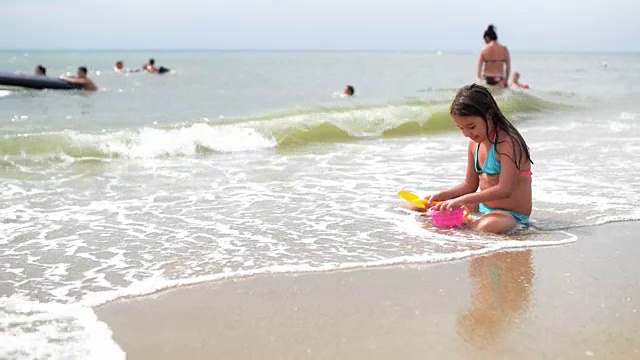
[(414, 199)]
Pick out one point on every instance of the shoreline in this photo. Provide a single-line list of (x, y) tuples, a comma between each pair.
[(569, 301)]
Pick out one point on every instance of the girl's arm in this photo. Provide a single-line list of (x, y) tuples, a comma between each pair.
[(507, 181), (470, 184)]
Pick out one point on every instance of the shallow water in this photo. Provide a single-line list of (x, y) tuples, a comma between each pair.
[(244, 163)]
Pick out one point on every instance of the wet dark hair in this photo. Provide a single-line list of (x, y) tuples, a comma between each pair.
[(476, 100), (83, 69), (152, 61), (42, 69), (351, 90), (119, 62), (490, 33)]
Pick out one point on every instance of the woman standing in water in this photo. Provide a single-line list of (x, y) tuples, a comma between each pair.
[(494, 63)]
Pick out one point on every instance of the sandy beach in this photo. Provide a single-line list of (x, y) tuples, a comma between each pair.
[(575, 301)]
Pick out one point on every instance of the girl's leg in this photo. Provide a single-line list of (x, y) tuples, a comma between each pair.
[(496, 222)]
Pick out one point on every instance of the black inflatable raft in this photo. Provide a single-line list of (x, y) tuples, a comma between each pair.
[(35, 82)]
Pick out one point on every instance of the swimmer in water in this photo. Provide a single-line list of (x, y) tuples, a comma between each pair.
[(81, 79), (40, 71), (349, 91), (119, 68), (150, 66)]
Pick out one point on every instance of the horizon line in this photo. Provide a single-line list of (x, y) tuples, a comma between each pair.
[(630, 52)]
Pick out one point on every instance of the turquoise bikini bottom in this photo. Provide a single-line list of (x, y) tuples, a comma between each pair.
[(520, 219)]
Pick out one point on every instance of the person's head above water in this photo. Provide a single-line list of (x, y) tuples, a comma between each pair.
[(41, 70), (516, 77), (477, 115), (119, 64), (490, 34), (152, 61), (82, 71), (349, 90)]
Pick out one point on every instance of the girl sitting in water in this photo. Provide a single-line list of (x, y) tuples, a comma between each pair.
[(498, 163)]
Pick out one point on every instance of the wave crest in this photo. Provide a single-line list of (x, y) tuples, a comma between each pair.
[(326, 125)]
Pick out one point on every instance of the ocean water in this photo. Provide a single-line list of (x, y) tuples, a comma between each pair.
[(241, 163)]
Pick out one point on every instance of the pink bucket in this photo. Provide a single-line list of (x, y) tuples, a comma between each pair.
[(448, 219)]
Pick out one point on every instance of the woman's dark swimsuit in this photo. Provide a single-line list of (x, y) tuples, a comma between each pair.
[(493, 80)]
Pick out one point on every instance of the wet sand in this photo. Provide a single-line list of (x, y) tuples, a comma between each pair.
[(575, 301)]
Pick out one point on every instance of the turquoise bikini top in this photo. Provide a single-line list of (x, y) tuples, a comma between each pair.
[(491, 164)]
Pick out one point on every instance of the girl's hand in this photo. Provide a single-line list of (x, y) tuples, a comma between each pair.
[(449, 205), (437, 197)]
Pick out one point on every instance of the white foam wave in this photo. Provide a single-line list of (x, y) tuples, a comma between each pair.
[(153, 142), (629, 116), (4, 93), (28, 329), (460, 244), (153, 285)]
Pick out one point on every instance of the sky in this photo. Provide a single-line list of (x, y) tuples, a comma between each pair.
[(541, 25)]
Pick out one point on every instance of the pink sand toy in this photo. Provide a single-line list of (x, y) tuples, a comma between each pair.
[(441, 219), (449, 219)]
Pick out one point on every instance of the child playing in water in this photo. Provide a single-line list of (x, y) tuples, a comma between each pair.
[(515, 82), (498, 163)]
